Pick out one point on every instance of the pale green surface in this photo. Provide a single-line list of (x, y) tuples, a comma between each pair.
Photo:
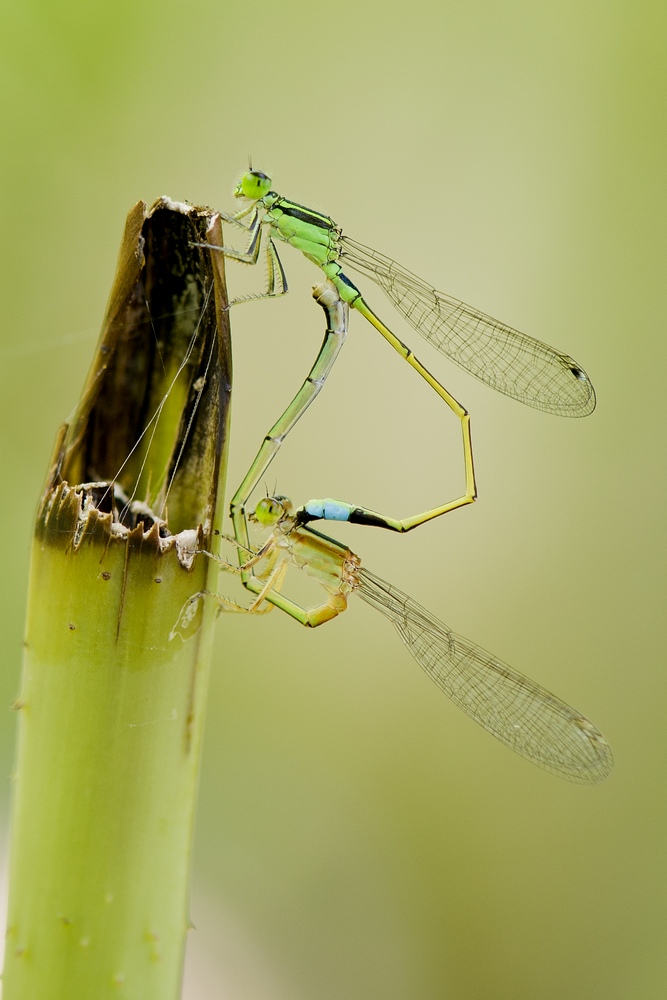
[(358, 837), (113, 708)]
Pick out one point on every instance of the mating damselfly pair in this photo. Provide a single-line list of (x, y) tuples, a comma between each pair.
[(511, 707)]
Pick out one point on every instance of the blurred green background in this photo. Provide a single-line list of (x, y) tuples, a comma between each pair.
[(358, 837)]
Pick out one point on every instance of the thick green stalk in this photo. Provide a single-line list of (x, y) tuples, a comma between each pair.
[(115, 674)]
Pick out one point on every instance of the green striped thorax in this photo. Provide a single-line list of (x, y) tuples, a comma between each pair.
[(317, 236)]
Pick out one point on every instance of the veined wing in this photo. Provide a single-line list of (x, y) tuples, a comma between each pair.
[(524, 716), (503, 358)]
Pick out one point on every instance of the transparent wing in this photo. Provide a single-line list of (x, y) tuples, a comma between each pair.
[(514, 709), (503, 358)]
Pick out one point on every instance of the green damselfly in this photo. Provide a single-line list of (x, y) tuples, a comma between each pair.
[(516, 710), (503, 358)]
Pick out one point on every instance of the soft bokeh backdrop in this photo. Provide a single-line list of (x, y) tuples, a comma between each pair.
[(357, 836)]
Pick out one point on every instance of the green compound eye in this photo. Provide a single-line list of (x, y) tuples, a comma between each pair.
[(254, 184), (270, 510)]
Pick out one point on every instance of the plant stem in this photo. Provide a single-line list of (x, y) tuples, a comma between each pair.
[(115, 676)]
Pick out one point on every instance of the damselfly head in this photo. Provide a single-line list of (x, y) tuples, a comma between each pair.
[(270, 510), (254, 185)]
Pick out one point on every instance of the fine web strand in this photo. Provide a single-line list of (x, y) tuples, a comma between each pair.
[(151, 424)]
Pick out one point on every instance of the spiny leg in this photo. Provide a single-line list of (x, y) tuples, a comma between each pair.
[(267, 551), (273, 582), (251, 254), (187, 612), (277, 279), (226, 604), (267, 587), (272, 577), (235, 219)]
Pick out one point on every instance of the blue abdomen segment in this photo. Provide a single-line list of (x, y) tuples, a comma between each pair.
[(326, 510), (338, 510)]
